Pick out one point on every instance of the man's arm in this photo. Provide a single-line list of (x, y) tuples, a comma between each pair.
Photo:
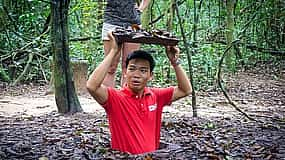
[(184, 87), (94, 84)]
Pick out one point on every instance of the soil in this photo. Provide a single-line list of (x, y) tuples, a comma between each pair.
[(31, 128)]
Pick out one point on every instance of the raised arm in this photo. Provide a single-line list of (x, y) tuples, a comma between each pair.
[(95, 82), (183, 87)]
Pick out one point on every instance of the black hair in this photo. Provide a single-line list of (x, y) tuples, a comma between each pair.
[(143, 55)]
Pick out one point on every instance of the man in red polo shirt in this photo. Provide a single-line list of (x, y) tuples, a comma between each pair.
[(134, 112)]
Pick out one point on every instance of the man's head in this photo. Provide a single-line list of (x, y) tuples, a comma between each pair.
[(142, 55), (139, 65)]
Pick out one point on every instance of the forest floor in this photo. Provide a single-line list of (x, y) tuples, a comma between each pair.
[(30, 127)]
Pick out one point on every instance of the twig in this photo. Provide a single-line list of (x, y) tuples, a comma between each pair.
[(162, 15), (31, 43), (42, 51)]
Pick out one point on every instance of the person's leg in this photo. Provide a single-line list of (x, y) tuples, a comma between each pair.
[(126, 49), (109, 80)]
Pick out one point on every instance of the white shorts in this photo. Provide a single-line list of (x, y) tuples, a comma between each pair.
[(107, 27)]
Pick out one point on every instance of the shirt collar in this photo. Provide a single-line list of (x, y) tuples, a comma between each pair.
[(129, 93)]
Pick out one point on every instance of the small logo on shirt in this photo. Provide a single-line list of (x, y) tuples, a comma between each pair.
[(152, 107)]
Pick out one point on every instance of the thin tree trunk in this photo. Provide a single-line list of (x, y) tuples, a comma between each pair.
[(65, 96), (230, 28), (189, 55), (195, 23), (169, 24), (170, 16)]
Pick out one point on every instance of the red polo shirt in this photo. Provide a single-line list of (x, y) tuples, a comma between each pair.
[(135, 122)]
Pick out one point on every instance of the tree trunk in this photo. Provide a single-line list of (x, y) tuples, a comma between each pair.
[(65, 95), (195, 23), (189, 56), (195, 20), (170, 16), (230, 28)]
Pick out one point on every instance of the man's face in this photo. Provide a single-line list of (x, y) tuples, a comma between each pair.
[(138, 74)]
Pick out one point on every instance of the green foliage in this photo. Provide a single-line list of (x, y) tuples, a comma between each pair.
[(21, 24), (84, 24), (210, 126), (3, 75), (256, 23), (205, 63)]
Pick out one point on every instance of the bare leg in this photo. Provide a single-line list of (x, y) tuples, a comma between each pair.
[(126, 49), (110, 77)]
